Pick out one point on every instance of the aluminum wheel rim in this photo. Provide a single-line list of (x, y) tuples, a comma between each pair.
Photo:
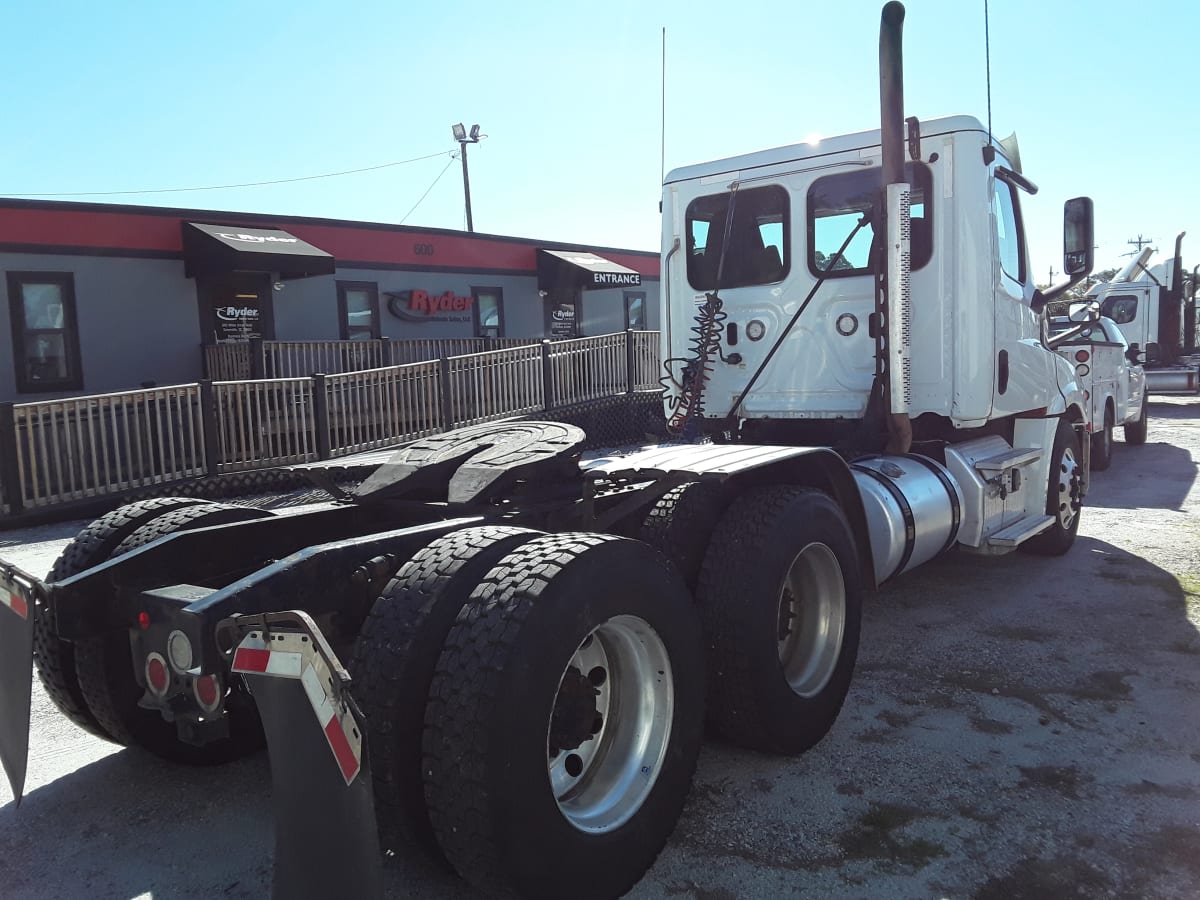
[(603, 782), (812, 619), (1068, 489)]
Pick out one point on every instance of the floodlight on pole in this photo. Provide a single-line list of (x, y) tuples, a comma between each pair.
[(463, 138)]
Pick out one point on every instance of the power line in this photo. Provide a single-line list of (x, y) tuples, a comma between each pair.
[(222, 187), (428, 189)]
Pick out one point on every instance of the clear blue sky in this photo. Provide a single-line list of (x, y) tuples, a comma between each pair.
[(146, 95)]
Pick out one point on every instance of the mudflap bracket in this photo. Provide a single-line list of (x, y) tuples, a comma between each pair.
[(326, 838)]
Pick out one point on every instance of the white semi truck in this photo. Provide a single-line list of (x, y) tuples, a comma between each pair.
[(532, 640), (1150, 306)]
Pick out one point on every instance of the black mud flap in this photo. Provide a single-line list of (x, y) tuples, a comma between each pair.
[(18, 591), (326, 839)]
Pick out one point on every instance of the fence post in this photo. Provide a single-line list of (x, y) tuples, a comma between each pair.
[(630, 363), (547, 378), (257, 360), (208, 423), (10, 474), (321, 415), (447, 406)]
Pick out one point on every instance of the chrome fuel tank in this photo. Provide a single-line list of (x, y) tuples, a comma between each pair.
[(914, 509)]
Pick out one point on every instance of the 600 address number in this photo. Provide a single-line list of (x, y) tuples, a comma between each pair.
[(423, 249)]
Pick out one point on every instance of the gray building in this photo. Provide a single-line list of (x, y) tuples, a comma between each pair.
[(105, 298)]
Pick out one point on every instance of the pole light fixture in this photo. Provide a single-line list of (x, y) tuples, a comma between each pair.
[(464, 137)]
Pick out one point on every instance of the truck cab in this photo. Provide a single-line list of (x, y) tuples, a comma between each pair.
[(1146, 303), (976, 353)]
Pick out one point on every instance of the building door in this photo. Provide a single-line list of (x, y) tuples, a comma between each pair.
[(562, 315), (236, 306)]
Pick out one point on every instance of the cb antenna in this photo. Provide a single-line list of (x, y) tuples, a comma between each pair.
[(987, 55), (662, 121)]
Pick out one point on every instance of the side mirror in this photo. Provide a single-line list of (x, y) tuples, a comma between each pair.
[(1151, 351), (1078, 236), (1083, 311)]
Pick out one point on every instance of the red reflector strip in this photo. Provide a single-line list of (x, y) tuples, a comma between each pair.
[(341, 749), (331, 723), (254, 661), (16, 603), (248, 660)]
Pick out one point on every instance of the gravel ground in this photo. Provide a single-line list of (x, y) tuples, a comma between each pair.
[(1018, 727)]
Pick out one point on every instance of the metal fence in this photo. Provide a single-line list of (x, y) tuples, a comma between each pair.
[(57, 451), (381, 407), (264, 423), (241, 360), (486, 386)]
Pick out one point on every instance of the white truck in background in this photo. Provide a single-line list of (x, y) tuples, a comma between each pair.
[(1148, 304), (1113, 383)]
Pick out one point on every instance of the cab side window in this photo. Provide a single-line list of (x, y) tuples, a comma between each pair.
[(1007, 216), (1122, 309)]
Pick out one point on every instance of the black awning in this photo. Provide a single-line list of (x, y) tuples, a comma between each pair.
[(569, 270), (210, 249)]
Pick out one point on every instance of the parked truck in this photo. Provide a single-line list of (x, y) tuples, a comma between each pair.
[(507, 651), (1113, 382), (1156, 311)]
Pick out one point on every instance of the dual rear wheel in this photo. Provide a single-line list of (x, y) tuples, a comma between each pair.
[(564, 700)]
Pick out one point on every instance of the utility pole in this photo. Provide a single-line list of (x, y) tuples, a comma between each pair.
[(1139, 243), (1052, 274), (463, 138)]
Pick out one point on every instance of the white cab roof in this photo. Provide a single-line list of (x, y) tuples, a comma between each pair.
[(862, 140)]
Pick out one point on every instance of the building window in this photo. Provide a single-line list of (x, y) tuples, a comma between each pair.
[(45, 332), (836, 205), (488, 311), (358, 310), (756, 251), (635, 310)]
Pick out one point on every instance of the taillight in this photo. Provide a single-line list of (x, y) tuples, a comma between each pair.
[(1082, 356), (143, 620), (1082, 370), (179, 651), (207, 691), (158, 679)]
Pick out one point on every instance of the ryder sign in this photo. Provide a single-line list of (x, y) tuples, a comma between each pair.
[(424, 306)]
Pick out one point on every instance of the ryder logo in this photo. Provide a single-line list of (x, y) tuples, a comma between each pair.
[(422, 306), (257, 238)]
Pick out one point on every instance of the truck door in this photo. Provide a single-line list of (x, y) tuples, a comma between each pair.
[(1135, 312), (1023, 367)]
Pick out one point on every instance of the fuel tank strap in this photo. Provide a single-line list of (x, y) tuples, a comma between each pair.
[(910, 522), (955, 507)]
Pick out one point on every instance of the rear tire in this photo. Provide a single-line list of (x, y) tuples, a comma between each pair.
[(681, 524), (1063, 500), (565, 719), (1102, 443), (1135, 432), (106, 678), (54, 657), (780, 597), (394, 660)]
